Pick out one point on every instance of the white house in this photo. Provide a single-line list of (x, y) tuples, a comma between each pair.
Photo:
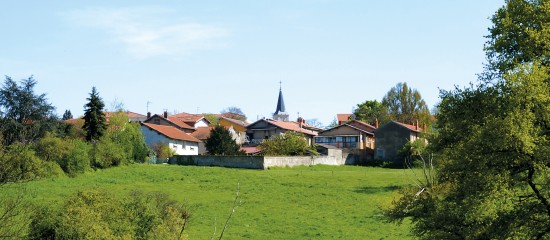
[(181, 142)]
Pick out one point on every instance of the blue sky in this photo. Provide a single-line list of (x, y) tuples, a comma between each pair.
[(204, 56)]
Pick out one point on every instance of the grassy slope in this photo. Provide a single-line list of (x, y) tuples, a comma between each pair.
[(321, 202)]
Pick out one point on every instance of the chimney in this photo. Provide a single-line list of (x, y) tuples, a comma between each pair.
[(416, 125), (301, 122), (165, 114), (376, 123), (148, 115)]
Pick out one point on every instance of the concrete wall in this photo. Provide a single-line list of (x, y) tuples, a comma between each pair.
[(258, 162)]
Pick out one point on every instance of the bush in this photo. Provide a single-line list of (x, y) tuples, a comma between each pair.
[(78, 159), (18, 162), (288, 144), (98, 214), (107, 154)]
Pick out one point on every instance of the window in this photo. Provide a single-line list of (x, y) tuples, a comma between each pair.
[(379, 153)]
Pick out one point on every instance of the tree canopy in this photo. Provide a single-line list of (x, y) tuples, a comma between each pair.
[(94, 117), (67, 115), (405, 104), (519, 35), (370, 111), (24, 115), (220, 142), (492, 146)]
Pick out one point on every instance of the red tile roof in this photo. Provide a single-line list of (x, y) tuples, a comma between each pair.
[(251, 150), (361, 125), (293, 126), (409, 126), (179, 122), (188, 117), (343, 117), (202, 133), (171, 132)]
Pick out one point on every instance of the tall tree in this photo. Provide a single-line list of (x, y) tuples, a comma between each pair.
[(493, 141), (94, 117), (234, 113), (67, 115), (24, 115), (519, 35), (220, 142), (406, 105), (370, 111)]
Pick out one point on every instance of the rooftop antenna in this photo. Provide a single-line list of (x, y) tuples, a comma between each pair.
[(148, 103), (197, 110)]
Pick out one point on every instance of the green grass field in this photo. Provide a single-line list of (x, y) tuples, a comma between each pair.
[(320, 202)]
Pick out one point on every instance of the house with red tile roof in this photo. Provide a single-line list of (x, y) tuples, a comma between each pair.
[(170, 121), (392, 137), (355, 136), (182, 143), (267, 128), (194, 120)]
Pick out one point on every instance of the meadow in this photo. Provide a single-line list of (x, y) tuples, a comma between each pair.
[(319, 202)]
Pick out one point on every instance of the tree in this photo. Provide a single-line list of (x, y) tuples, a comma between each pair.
[(370, 111), (67, 115), (287, 144), (234, 113), (315, 123), (24, 115), (220, 142), (94, 117), (212, 118), (519, 35), (493, 172), (406, 105), (493, 141)]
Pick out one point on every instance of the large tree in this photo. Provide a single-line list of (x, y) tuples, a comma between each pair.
[(67, 115), (370, 111), (405, 104), (220, 142), (519, 35), (493, 143), (94, 117), (24, 115)]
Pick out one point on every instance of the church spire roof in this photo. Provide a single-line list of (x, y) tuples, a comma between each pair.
[(280, 102)]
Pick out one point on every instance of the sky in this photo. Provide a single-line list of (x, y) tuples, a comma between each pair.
[(204, 56)]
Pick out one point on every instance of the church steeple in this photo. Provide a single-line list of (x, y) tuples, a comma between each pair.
[(280, 113)]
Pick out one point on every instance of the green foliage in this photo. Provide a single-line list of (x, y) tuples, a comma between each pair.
[(24, 116), (519, 35), (94, 117), (406, 105), (212, 118), (288, 144), (78, 159), (370, 111), (494, 166), (220, 142), (163, 151), (98, 214), (107, 153), (128, 137), (18, 162)]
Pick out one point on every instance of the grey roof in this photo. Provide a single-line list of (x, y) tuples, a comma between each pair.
[(280, 103)]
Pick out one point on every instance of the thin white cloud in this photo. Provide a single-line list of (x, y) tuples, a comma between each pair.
[(150, 32)]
